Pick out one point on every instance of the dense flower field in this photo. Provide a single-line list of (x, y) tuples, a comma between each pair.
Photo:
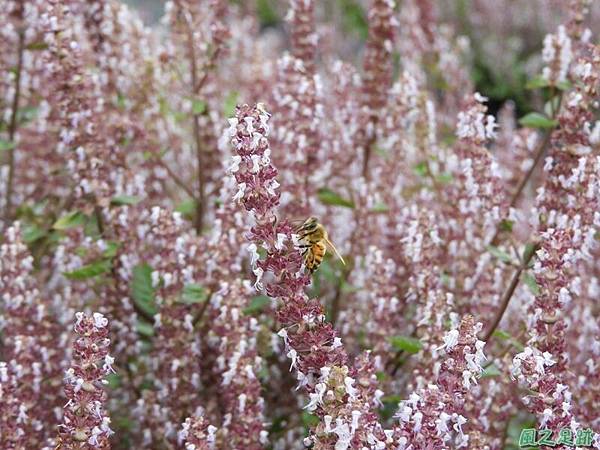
[(158, 292)]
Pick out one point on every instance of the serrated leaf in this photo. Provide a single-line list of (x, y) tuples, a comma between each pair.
[(531, 283), (537, 83), (32, 233), (142, 290), (119, 200), (328, 197), (491, 371), (500, 254), (230, 103), (90, 270), (6, 145), (406, 343), (144, 328), (194, 293), (198, 107), (257, 304), (537, 120), (70, 220)]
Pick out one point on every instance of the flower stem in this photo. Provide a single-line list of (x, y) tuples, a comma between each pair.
[(514, 282), (12, 128)]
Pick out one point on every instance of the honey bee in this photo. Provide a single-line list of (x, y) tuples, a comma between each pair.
[(316, 242)]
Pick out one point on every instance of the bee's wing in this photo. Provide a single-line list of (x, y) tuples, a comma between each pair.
[(334, 250)]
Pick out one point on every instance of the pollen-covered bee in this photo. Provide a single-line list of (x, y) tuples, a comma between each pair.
[(315, 243)]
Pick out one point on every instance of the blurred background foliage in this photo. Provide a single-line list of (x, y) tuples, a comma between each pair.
[(506, 50)]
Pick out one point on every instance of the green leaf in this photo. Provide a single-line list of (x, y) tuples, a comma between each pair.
[(70, 220), (500, 254), (90, 270), (507, 225), (198, 107), (114, 380), (537, 83), (142, 290), (119, 200), (564, 85), (267, 15), (501, 334), (422, 169), (309, 420), (144, 328), (194, 293), (187, 208), (537, 120), (530, 282), (490, 371), (257, 304), (444, 178), (328, 197), (380, 207), (39, 45), (6, 145), (354, 18), (32, 233), (406, 343), (111, 249), (528, 251), (230, 103)]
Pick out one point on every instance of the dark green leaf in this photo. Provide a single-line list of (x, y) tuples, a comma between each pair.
[(142, 290), (406, 343), (528, 251), (328, 197), (32, 233), (90, 270), (564, 85), (230, 103), (119, 200), (267, 15), (354, 19), (70, 220), (257, 304), (194, 293), (537, 120), (530, 282), (507, 225), (500, 254)]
